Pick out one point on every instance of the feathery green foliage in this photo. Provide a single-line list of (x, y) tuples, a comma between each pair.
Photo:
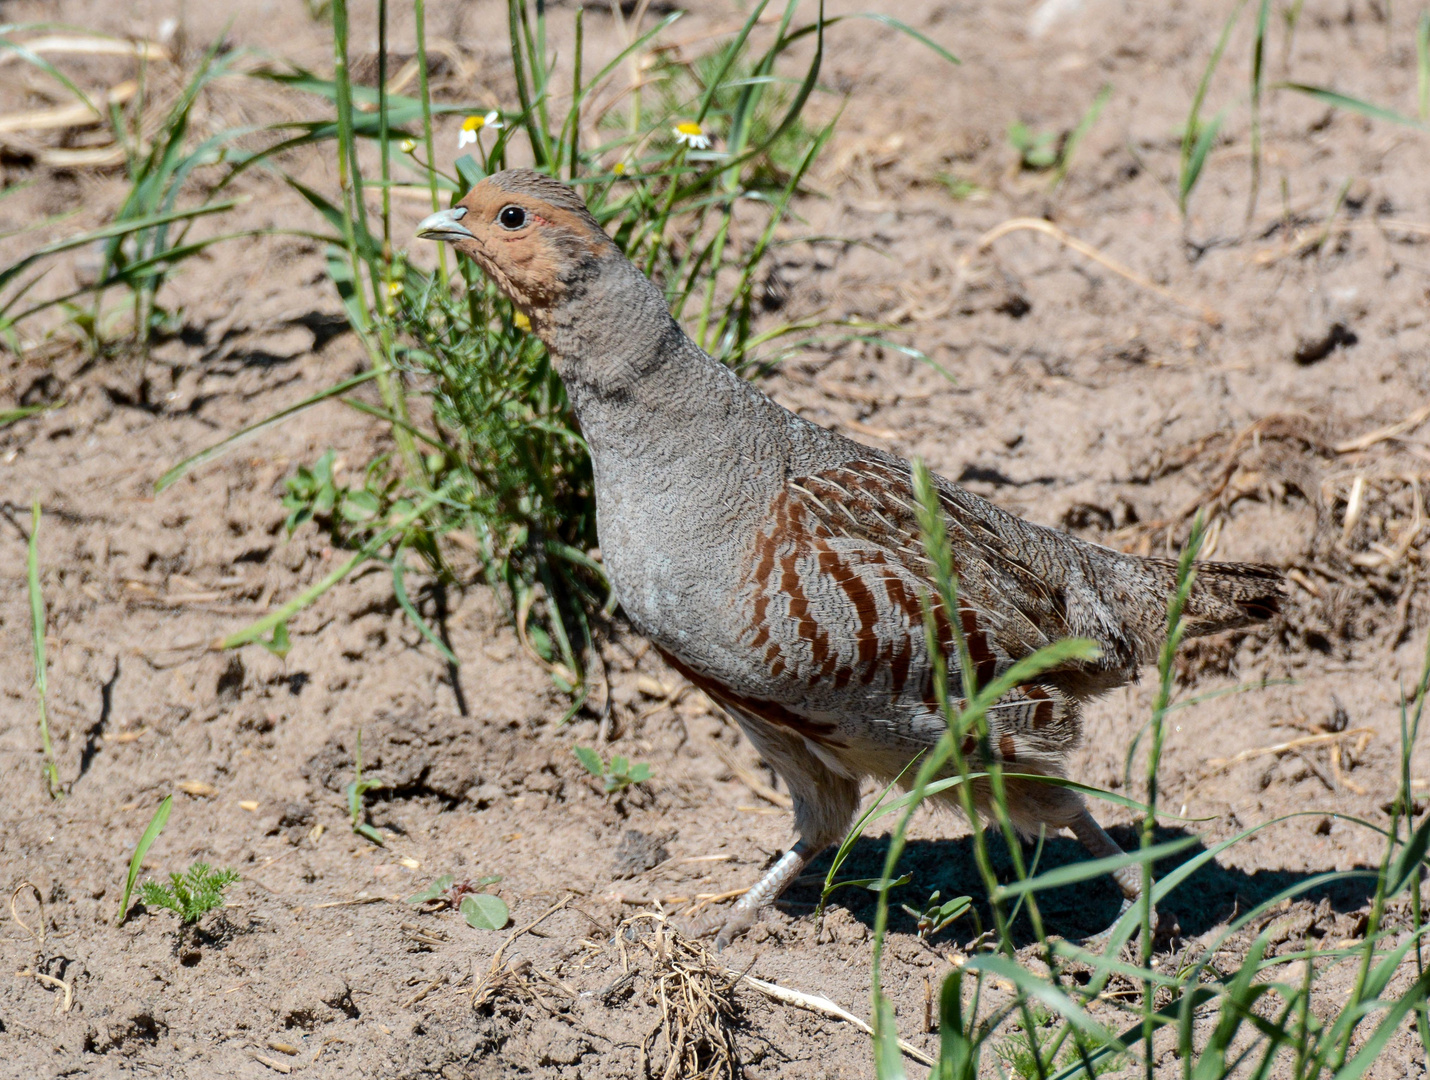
[(189, 895)]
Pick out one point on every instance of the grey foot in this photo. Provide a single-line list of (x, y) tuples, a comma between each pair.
[(746, 911)]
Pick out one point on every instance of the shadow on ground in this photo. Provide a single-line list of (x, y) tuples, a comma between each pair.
[(1211, 896)]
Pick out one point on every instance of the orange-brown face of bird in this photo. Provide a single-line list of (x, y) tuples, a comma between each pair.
[(530, 234)]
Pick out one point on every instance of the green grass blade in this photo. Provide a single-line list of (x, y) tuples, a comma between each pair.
[(37, 640), (1044, 993), (12, 416), (1079, 133), (399, 590), (203, 457), (1258, 85), (256, 630), (1091, 868), (1343, 101), (1422, 65), (1192, 132), (49, 69), (136, 861), (1413, 998), (117, 229)]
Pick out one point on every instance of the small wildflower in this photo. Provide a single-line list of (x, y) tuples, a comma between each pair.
[(522, 322), (409, 145), (691, 134), (619, 168), (473, 124), (394, 288)]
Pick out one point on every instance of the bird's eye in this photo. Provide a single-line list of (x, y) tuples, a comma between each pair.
[(512, 217)]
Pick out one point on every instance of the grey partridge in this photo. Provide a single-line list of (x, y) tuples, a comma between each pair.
[(778, 566)]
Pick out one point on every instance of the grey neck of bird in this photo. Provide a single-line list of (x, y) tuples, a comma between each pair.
[(635, 380)]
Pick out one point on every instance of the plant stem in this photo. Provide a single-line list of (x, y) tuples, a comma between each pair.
[(37, 629), (419, 18), (1175, 605)]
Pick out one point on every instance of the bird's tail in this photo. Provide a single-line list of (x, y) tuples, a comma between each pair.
[(1224, 595)]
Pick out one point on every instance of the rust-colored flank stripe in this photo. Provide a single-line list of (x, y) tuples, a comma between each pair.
[(771, 712)]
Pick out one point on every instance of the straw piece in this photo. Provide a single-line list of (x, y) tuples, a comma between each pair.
[(1207, 314), (814, 1003)]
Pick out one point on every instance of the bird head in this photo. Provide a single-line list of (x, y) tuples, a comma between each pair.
[(532, 235)]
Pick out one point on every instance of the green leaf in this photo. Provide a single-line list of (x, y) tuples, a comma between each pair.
[(117, 229), (1343, 101), (1091, 868), (485, 912), (1408, 859), (146, 841), (957, 1054), (590, 760), (1045, 993), (278, 644), (433, 891)]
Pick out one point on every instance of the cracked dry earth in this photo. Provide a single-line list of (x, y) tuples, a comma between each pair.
[(1258, 383)]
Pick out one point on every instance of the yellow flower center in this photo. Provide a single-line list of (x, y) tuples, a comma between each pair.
[(688, 127), (474, 123), (619, 168)]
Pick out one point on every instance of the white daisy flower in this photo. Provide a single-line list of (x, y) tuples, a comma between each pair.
[(473, 124), (689, 133)]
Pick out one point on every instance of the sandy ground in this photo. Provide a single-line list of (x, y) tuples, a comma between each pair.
[(1240, 375)]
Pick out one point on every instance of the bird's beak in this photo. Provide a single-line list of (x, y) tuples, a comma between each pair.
[(445, 225)]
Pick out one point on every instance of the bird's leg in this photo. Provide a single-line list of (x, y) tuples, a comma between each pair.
[(778, 878), (1128, 878), (1101, 846)]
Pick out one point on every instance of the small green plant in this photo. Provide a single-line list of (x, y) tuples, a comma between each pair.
[(357, 808), (1037, 150), (37, 642), (313, 493), (148, 237), (615, 775), (877, 809), (136, 861), (1199, 136), (937, 916), (1031, 1052), (191, 894), (482, 910)]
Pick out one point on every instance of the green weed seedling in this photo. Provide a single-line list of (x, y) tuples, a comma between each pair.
[(357, 809), (481, 910), (313, 493), (1037, 150), (146, 841), (937, 916), (615, 775), (191, 894)]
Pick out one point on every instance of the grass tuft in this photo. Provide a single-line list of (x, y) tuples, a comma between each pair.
[(1258, 1015)]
